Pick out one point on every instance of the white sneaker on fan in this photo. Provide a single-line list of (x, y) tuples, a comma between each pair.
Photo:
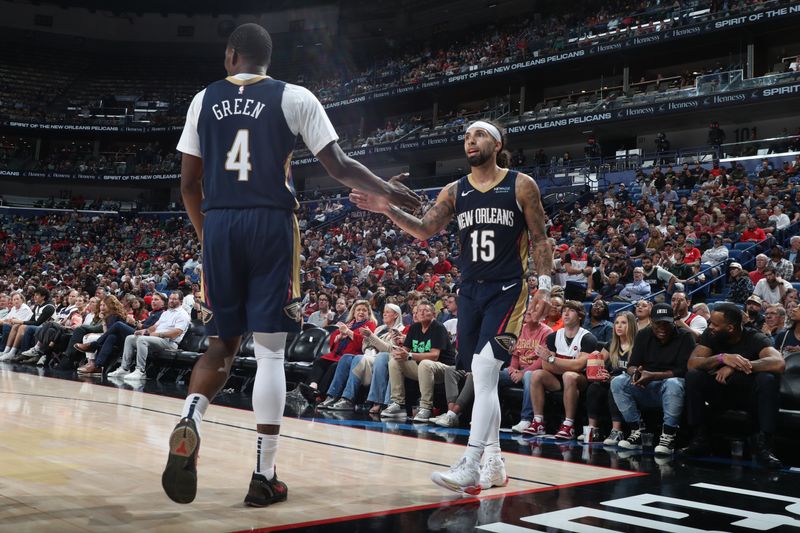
[(118, 373), (136, 375)]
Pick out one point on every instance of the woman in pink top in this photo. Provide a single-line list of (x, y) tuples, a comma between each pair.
[(523, 362)]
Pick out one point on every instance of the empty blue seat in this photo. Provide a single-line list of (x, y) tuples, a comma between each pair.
[(796, 285), (741, 256), (743, 246)]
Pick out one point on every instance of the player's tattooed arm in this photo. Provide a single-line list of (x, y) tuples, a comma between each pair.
[(432, 222), (530, 200)]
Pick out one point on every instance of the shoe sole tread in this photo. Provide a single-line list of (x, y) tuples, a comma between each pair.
[(179, 479)]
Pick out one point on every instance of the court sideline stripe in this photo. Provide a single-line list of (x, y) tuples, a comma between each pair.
[(415, 508)]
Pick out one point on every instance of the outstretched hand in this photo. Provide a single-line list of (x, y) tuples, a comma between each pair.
[(370, 202), (402, 196), (397, 194)]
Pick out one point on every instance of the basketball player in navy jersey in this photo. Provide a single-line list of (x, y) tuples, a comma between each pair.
[(236, 184), (498, 211)]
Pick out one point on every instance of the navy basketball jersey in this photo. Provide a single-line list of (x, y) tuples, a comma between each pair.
[(492, 231), (246, 145)]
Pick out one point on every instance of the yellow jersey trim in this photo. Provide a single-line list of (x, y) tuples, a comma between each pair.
[(249, 81), (490, 187)]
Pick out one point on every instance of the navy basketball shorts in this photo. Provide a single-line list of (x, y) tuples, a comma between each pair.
[(490, 312), (251, 270)]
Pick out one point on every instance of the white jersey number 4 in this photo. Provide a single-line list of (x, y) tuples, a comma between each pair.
[(239, 155)]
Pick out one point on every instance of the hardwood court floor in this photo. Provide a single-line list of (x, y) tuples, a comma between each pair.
[(84, 457)]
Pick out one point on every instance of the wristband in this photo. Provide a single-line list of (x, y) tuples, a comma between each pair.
[(721, 358), (545, 283)]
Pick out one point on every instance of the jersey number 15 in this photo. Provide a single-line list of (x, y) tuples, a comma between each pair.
[(482, 245), (239, 155)]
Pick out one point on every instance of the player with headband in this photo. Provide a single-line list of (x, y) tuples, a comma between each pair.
[(499, 212)]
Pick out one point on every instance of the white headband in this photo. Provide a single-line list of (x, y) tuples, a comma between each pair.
[(490, 128)]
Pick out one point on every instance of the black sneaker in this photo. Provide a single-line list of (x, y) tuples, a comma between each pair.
[(180, 475), (312, 395), (634, 440), (762, 452), (699, 446), (666, 444), (264, 492)]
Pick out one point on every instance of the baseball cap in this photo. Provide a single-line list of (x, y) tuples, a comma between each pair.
[(662, 313), (734, 265), (563, 247), (756, 299)]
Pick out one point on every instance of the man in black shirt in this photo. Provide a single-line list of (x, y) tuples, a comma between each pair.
[(734, 366), (634, 245), (654, 378), (424, 356)]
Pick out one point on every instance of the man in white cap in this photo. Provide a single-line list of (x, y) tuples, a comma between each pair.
[(740, 287), (424, 262), (498, 212)]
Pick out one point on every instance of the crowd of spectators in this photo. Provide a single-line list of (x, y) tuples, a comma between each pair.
[(515, 41), (28, 94), (84, 158), (634, 244), (676, 222)]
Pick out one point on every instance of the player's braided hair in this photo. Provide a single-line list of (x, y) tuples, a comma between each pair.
[(253, 43)]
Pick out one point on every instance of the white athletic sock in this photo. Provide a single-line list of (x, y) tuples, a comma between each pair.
[(266, 450), (473, 453), (538, 418), (13, 351), (194, 407), (452, 414), (568, 422), (492, 450)]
